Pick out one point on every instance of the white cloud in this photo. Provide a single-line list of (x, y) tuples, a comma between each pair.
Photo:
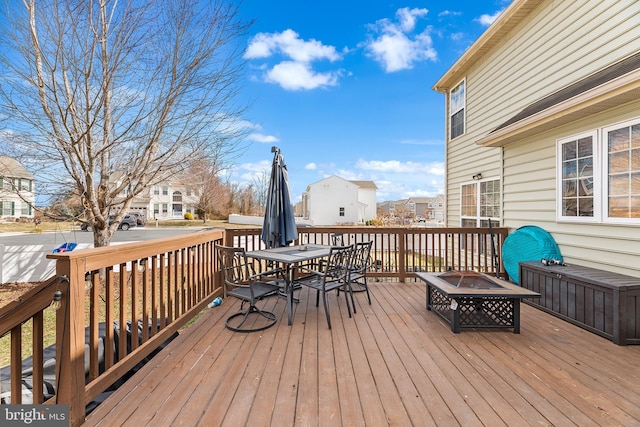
[(262, 138), (449, 12), (261, 166), (295, 71), (395, 166), (407, 17), (432, 142), (392, 46), (311, 166), (289, 43), (292, 75), (487, 20)]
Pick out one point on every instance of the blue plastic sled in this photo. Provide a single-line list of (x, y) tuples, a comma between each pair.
[(65, 247)]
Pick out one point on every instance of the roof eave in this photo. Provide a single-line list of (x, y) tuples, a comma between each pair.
[(612, 94), (508, 19)]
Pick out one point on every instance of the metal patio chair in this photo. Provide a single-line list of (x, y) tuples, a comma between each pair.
[(241, 282), (333, 274), (360, 263)]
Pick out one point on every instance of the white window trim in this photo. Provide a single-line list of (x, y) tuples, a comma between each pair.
[(464, 107), (600, 177), (597, 179), (605, 174), (477, 217)]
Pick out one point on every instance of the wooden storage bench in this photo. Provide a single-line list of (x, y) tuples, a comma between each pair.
[(602, 302)]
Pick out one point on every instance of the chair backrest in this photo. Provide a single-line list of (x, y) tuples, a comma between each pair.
[(234, 266), (338, 262), (337, 239), (361, 260)]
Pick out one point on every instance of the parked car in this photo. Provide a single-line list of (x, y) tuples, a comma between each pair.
[(140, 219), (127, 222)]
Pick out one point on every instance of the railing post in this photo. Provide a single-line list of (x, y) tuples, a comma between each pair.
[(402, 253), (70, 384)]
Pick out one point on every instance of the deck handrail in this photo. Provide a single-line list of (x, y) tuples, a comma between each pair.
[(398, 252), (174, 278)]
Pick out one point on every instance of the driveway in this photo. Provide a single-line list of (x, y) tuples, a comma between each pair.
[(23, 255)]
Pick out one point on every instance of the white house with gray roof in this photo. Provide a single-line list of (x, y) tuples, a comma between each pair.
[(337, 201)]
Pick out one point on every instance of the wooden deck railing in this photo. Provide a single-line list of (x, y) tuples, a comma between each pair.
[(397, 252), (140, 294), (160, 285)]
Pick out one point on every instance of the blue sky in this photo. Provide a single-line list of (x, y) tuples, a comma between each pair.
[(344, 88)]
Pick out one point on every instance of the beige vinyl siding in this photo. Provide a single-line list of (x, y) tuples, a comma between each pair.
[(558, 44), (529, 185), (563, 43)]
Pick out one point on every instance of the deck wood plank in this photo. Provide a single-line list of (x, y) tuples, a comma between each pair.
[(392, 363)]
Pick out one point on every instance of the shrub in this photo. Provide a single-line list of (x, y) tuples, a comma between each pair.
[(188, 216)]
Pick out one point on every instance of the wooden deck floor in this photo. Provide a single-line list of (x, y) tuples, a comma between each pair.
[(393, 363)]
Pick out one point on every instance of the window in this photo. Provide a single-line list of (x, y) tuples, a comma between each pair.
[(622, 171), (177, 196), (480, 202), (341, 211), (7, 208), (165, 190), (156, 190), (26, 209), (156, 208), (576, 176), (599, 175), (457, 101)]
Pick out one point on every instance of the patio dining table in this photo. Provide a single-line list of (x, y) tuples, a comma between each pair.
[(289, 256)]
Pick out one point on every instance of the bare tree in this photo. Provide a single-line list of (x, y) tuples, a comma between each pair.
[(213, 194), (261, 183), (111, 96)]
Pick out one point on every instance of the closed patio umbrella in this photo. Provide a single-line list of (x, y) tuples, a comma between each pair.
[(279, 228)]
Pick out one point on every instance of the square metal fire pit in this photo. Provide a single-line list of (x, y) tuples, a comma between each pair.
[(468, 299)]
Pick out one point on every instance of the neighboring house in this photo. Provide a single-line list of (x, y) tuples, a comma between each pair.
[(337, 201), (170, 199), (386, 208), (430, 208), (543, 128), (17, 192)]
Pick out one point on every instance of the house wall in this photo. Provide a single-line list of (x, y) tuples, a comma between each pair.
[(530, 198), (16, 203), (189, 202), (367, 199), (9, 200), (327, 196), (559, 43)]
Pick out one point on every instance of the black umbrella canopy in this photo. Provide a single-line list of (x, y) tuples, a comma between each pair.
[(279, 228)]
